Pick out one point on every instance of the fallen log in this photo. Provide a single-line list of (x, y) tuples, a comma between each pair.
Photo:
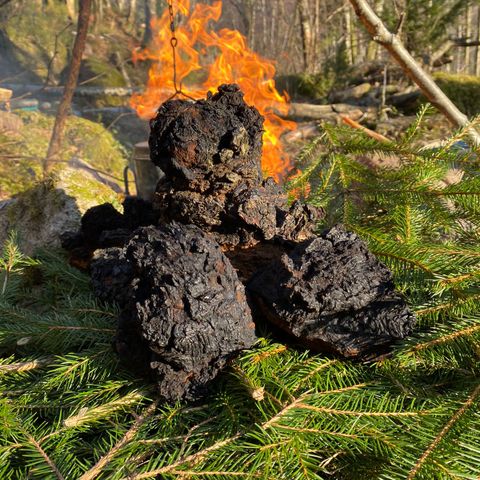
[(323, 112), (405, 100), (302, 132)]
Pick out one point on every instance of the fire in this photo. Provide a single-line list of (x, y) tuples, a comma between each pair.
[(213, 58)]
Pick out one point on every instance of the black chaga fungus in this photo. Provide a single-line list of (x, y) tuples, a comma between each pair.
[(97, 220), (209, 142), (187, 313), (331, 293), (184, 309), (210, 152), (104, 227), (138, 213), (111, 276)]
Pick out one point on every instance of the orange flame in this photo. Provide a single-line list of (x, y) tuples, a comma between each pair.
[(228, 59)]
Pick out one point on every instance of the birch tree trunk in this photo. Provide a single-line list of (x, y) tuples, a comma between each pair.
[(372, 49), (348, 36), (477, 50), (468, 34), (150, 7), (306, 32), (132, 12), (71, 10)]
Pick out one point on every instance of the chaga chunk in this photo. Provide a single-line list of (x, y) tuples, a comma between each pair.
[(187, 313), (138, 213), (212, 141), (111, 276), (97, 220), (210, 151), (104, 227), (330, 293)]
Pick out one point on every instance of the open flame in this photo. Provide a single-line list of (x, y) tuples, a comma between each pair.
[(231, 61)]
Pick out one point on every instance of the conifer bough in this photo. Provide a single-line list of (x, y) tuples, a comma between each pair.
[(217, 223)]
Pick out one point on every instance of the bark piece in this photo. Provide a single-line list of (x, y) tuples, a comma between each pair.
[(331, 293), (187, 313)]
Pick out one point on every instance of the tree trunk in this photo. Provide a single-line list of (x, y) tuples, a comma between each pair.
[(71, 83), (468, 34), (306, 30), (150, 14), (412, 69), (348, 36), (71, 10), (372, 49), (477, 53), (131, 12)]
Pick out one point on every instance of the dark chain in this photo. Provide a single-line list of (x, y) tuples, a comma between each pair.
[(174, 43)]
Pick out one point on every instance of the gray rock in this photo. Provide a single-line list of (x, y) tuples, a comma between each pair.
[(39, 216)]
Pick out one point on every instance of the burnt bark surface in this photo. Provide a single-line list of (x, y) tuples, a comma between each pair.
[(187, 312), (111, 276), (331, 293)]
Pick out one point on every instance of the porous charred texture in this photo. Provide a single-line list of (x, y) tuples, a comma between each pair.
[(215, 142), (98, 220), (210, 151), (111, 276), (187, 313), (331, 293), (177, 266)]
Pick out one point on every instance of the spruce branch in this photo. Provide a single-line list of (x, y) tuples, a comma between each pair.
[(448, 426), (47, 459), (128, 437), (188, 460)]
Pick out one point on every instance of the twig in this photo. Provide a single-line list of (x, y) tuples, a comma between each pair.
[(25, 366), (352, 123), (186, 460), (128, 437), (55, 53), (47, 459), (443, 432)]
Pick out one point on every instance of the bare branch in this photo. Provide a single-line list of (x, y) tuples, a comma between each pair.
[(412, 69)]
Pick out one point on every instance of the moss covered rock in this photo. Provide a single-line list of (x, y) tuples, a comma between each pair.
[(39, 216), (24, 151), (463, 90)]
